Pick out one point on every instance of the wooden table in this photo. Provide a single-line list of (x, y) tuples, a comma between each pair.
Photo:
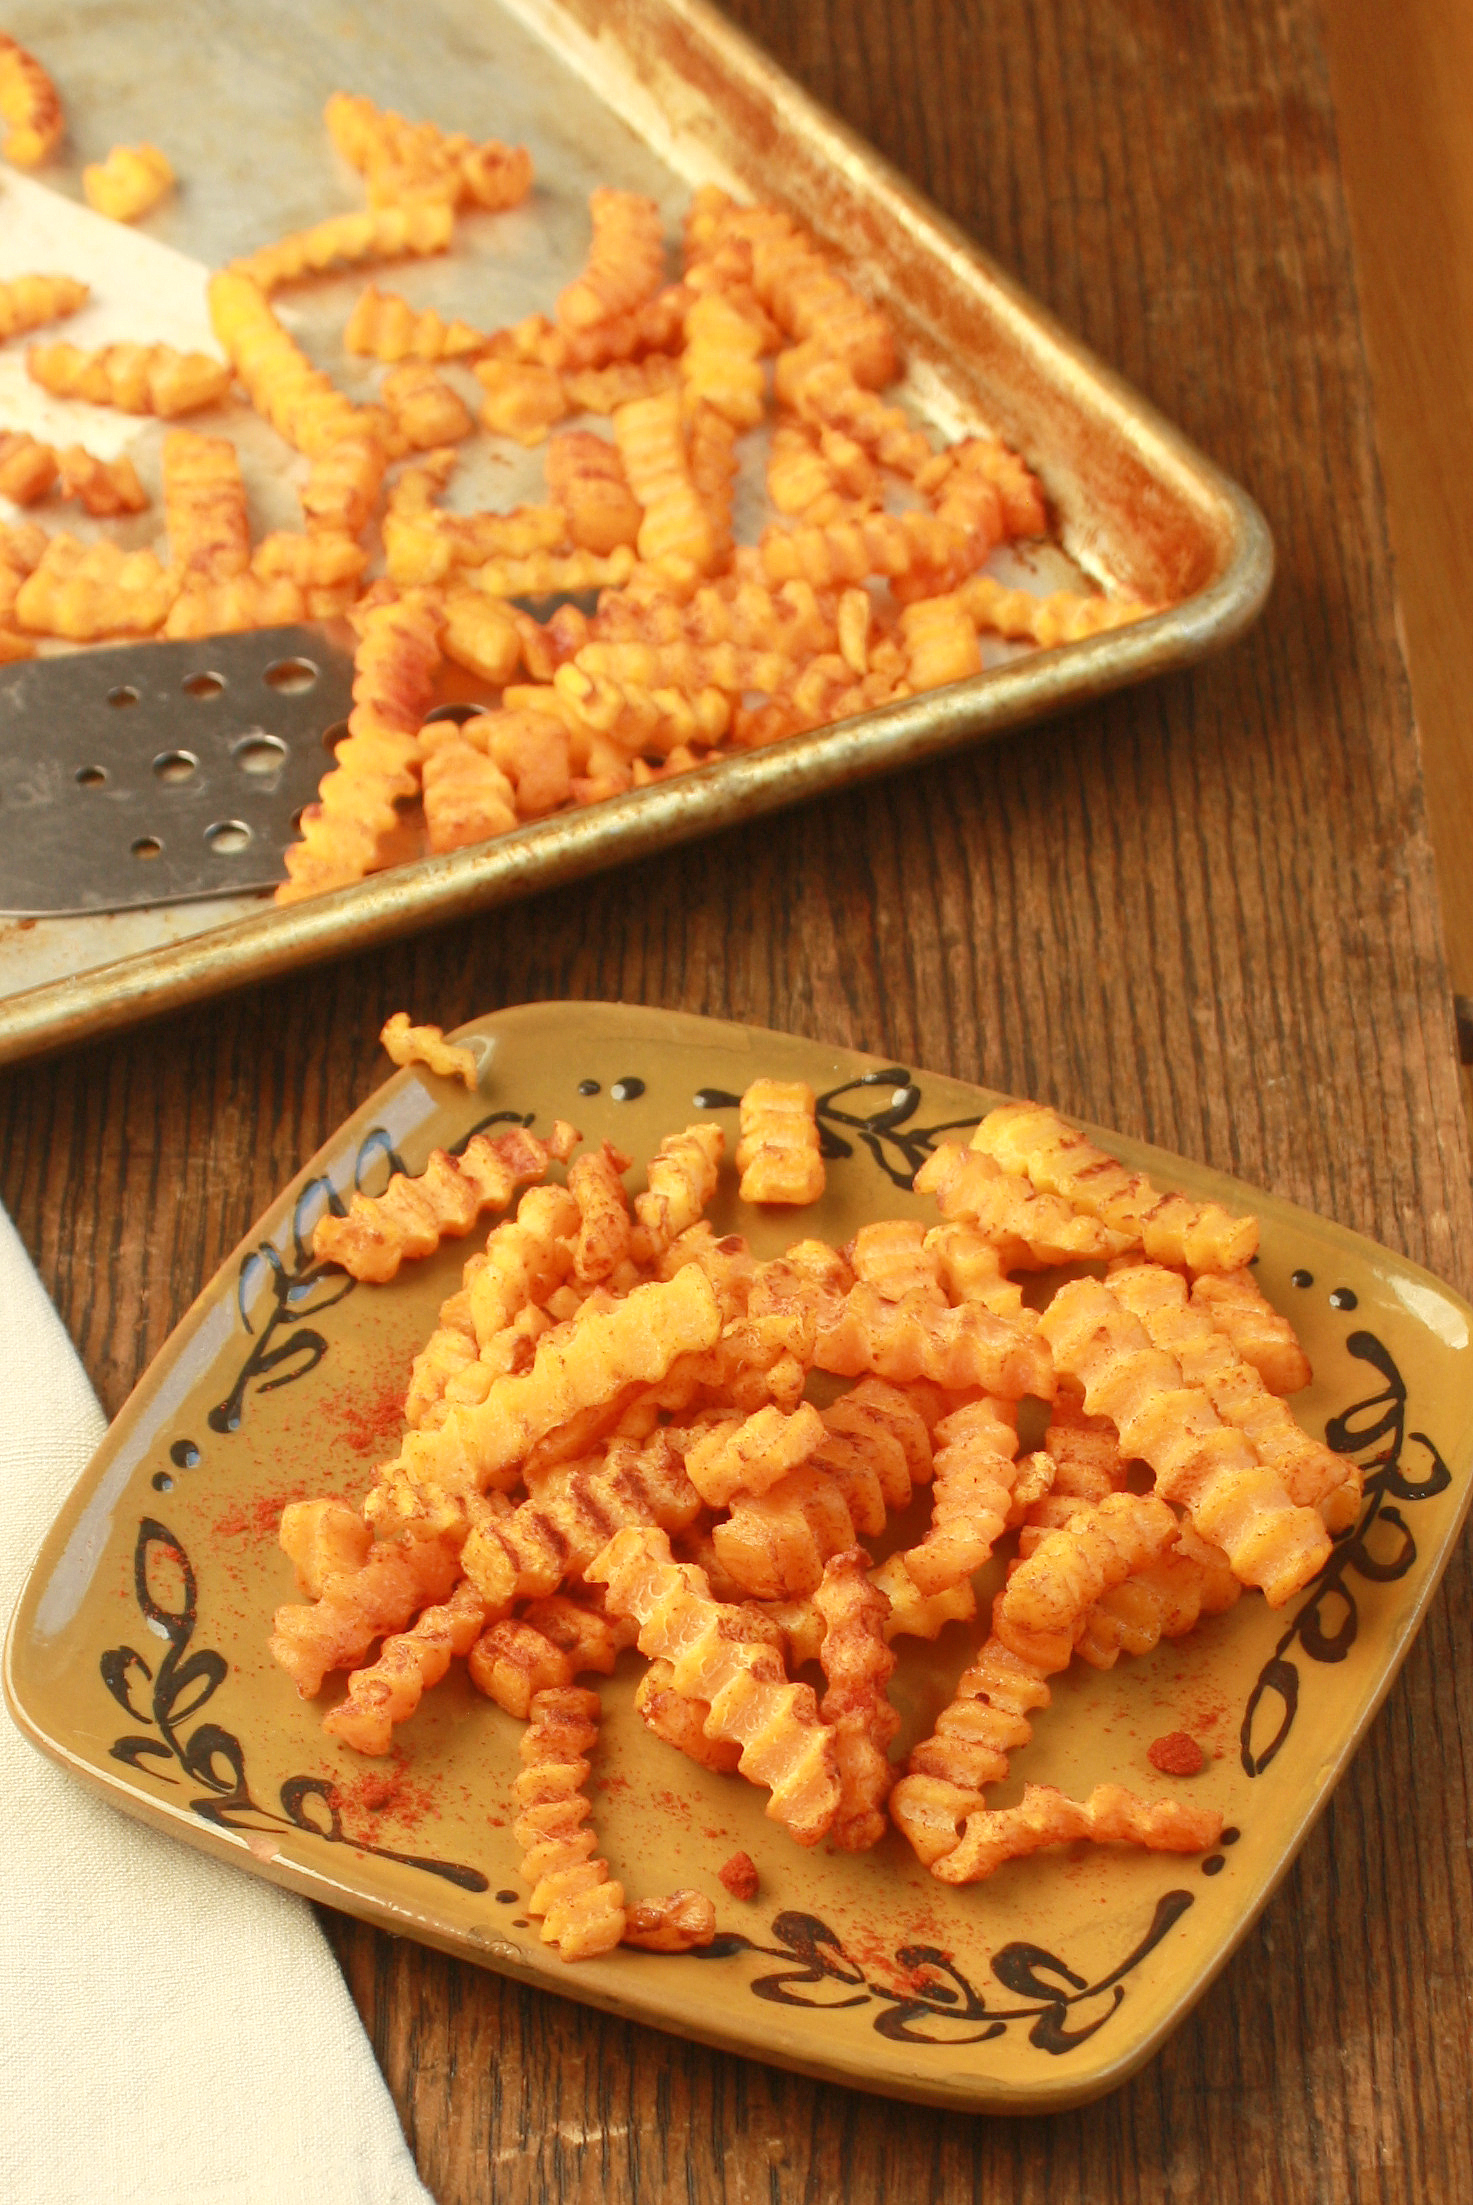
[(1204, 913)]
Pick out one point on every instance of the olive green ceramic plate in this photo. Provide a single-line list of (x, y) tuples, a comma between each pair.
[(138, 1654)]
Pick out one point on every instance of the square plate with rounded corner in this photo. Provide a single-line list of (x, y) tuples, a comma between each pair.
[(138, 1654)]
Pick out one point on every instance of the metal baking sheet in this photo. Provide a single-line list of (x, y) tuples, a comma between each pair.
[(658, 96)]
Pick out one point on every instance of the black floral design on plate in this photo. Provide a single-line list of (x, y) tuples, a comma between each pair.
[(940, 2005), (1380, 1548), (210, 1756), (306, 1286), (897, 1146)]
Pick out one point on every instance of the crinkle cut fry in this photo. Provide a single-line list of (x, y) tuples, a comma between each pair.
[(748, 1456), (383, 326), (721, 363), (343, 482), (371, 233), (380, 759), (1019, 492), (784, 1743), (1036, 1144), (796, 283), (390, 1689), (133, 378), (1030, 1230), (525, 1258), (625, 265), (1110, 1816), (970, 1269), (242, 601), (587, 1634), (681, 1722), (1101, 1545), (778, 1151), (823, 390), (916, 549), (596, 1183), (969, 1345), (986, 1721), (651, 439), (1260, 1334), (27, 469), (512, 1660), (680, 1922), (584, 1365), (940, 642), (205, 507), (582, 1907), (29, 106), (395, 1580), (29, 302), (425, 410), (775, 1544), (467, 798), (324, 1538), (893, 1256), (451, 1368), (976, 1469), (1191, 1579), (412, 1216), (404, 161), (300, 402), (585, 477), (680, 1181), (1064, 616), (129, 183), (557, 1532), (425, 545), (86, 591), (1314, 1476), (1204, 1465), (858, 1665), (407, 1044)]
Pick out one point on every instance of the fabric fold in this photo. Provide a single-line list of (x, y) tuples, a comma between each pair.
[(172, 2032)]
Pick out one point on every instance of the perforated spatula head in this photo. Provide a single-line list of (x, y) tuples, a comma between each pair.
[(162, 771)]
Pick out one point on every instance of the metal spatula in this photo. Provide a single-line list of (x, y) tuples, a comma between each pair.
[(162, 771)]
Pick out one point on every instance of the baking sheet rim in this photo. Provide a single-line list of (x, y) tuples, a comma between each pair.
[(731, 789)]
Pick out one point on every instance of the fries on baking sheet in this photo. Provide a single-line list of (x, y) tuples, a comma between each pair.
[(614, 1440), (867, 588)]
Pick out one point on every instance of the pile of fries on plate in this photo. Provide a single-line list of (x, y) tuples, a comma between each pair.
[(867, 588), (611, 1442)]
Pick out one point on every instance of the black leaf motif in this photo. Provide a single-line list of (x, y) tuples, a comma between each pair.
[(822, 1959), (899, 1153), (938, 1993), (941, 1992), (1277, 1679), (1017, 1969), (207, 1670), (115, 1665), (136, 1750), (213, 1756), (1325, 1626), (1050, 2035), (306, 1288)]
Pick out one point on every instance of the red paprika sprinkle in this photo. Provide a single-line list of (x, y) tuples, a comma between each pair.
[(740, 1876), (1177, 1754)]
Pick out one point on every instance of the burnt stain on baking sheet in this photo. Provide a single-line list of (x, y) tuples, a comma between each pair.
[(940, 2005), (209, 1757), (1380, 1548)]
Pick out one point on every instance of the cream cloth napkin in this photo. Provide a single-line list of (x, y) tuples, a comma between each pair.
[(172, 2032)]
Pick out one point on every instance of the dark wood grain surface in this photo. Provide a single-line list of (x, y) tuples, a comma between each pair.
[(1205, 913)]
